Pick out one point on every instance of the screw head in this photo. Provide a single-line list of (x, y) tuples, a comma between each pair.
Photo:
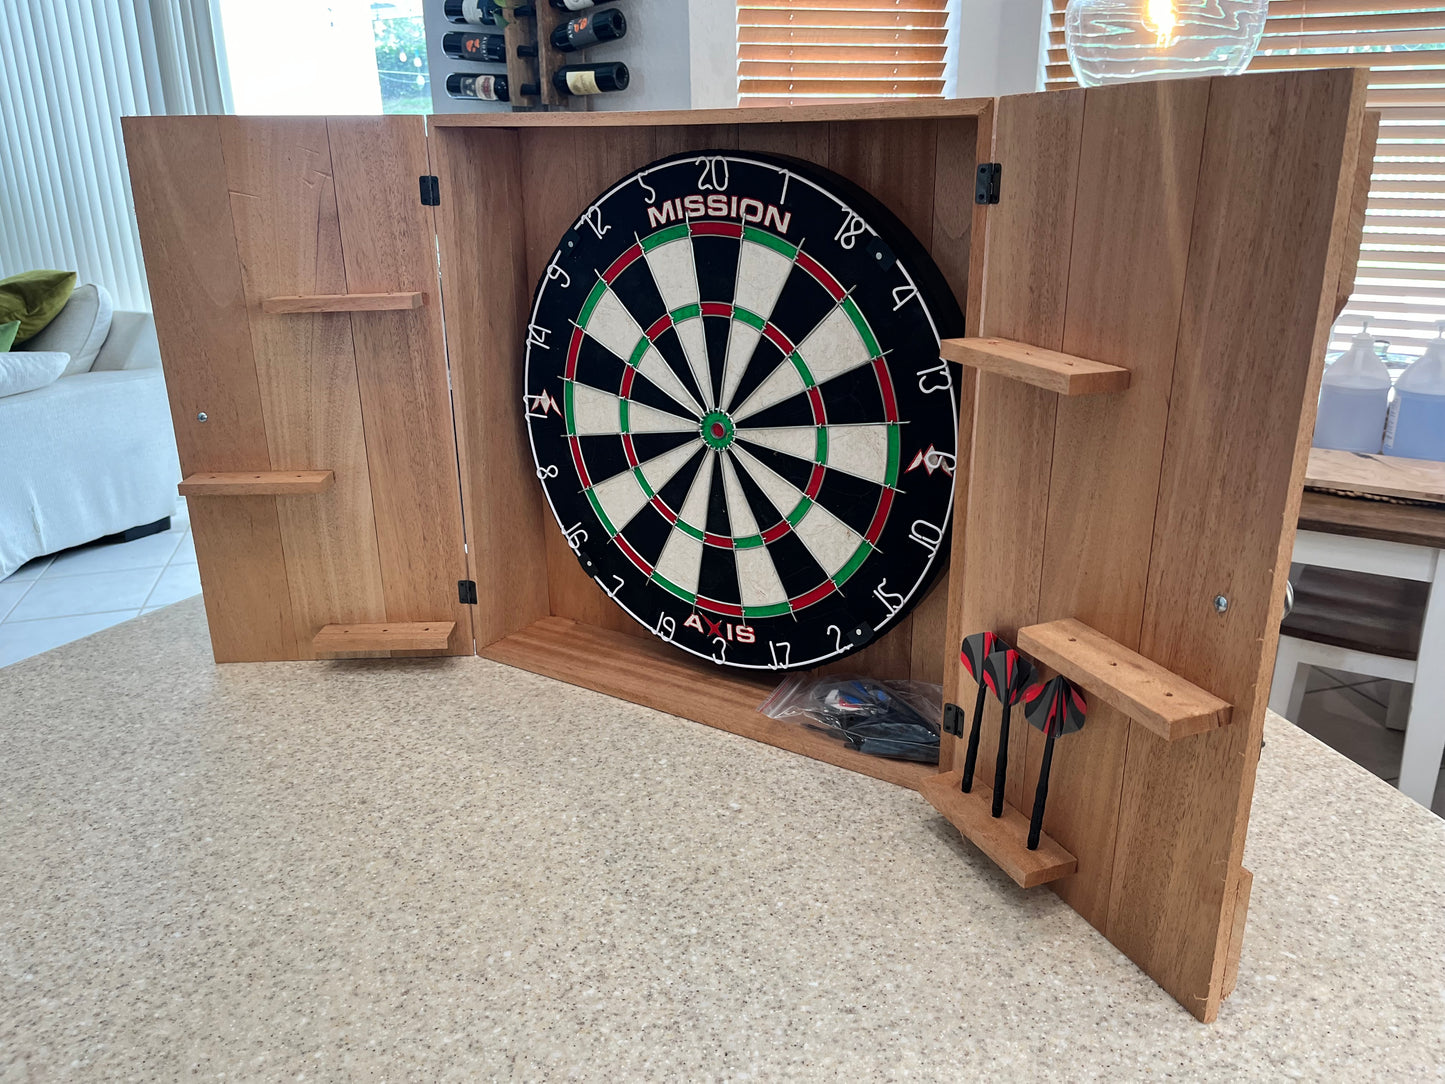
[(201, 417), (1221, 604)]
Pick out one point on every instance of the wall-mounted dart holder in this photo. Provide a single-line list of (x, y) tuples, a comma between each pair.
[(1189, 236), (1155, 313)]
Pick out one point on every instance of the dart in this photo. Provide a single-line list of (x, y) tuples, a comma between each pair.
[(1007, 674), (1055, 707), (975, 650)]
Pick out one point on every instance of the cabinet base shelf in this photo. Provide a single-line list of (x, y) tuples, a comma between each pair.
[(648, 672), (384, 636), (1004, 839)]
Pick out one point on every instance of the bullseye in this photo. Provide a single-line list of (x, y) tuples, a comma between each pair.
[(717, 429)]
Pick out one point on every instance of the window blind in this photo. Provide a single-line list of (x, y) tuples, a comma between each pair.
[(796, 51), (68, 73), (1400, 286)]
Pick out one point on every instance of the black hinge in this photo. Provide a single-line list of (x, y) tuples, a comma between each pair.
[(990, 176), (953, 720), (431, 191), (467, 592)]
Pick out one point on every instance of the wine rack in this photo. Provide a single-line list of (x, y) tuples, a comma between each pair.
[(524, 34)]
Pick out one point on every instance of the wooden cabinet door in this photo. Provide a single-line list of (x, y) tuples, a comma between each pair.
[(236, 210), (1193, 232)]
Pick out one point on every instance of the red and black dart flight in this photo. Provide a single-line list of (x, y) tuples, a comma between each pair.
[(1007, 675), (1056, 707), (975, 650)]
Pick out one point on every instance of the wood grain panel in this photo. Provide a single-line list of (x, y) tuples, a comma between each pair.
[(957, 222), (997, 588), (890, 160), (283, 205), (1266, 248), (809, 142), (243, 579), (1138, 170), (388, 243), (1359, 198), (487, 306), (178, 179)]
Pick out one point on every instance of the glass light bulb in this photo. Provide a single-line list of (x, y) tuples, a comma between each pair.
[(1159, 17), (1117, 41)]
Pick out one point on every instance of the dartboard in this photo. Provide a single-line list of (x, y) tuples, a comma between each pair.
[(738, 410)]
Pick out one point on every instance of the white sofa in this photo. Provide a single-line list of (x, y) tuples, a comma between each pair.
[(89, 455)]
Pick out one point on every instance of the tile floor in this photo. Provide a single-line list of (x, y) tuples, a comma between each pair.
[(1347, 713), (53, 600)]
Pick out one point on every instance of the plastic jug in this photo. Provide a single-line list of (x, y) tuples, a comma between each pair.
[(1354, 399), (1416, 429)]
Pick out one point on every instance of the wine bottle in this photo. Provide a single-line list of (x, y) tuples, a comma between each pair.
[(591, 78), (483, 12), (491, 48), (572, 5), (487, 88), (587, 30), (476, 12)]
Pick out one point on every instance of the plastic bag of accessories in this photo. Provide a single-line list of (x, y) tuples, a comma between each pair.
[(897, 719)]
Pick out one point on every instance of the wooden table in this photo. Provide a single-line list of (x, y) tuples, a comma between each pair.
[(1404, 541)]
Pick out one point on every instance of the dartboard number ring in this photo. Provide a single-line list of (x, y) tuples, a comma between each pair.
[(738, 411)]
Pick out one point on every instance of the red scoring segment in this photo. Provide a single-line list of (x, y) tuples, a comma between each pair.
[(620, 264)]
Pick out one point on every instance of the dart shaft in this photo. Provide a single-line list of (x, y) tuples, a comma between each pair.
[(1041, 794), (970, 761), (1000, 764)]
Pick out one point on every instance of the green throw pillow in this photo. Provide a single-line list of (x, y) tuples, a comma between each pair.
[(34, 298), (7, 335)]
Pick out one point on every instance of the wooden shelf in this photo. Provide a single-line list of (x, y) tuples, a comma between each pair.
[(645, 671), (387, 636), (1144, 691), (1047, 369), (273, 483), (1004, 839), (344, 302)]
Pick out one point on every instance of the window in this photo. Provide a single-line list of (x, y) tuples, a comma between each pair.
[(1401, 281), (325, 57), (792, 52)]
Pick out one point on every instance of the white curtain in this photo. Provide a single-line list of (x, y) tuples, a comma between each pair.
[(69, 70)]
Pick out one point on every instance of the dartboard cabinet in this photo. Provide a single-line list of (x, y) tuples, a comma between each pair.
[(695, 400)]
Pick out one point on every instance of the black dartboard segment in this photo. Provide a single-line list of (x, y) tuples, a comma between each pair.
[(738, 411)]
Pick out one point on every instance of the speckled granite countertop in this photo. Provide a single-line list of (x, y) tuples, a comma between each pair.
[(451, 870)]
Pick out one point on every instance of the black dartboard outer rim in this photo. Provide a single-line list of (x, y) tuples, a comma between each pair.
[(885, 270)]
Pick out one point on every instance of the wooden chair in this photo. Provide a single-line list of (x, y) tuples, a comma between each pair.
[(1353, 621)]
